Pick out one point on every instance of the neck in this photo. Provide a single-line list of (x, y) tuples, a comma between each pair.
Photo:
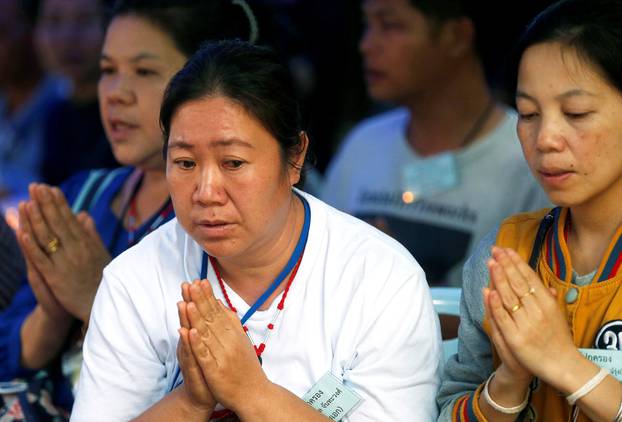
[(593, 226), (442, 117), (251, 274), (149, 198)]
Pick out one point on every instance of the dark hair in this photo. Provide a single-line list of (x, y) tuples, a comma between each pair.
[(253, 77), (440, 10), (591, 28), (191, 22)]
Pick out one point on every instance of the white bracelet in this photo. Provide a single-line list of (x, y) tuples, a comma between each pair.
[(587, 387), (507, 410), (619, 415)]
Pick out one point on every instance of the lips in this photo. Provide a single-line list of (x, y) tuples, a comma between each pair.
[(213, 228), (372, 75), (120, 129), (554, 177)]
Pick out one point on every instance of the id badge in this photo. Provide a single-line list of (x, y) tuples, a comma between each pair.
[(608, 359), (331, 398), (425, 177)]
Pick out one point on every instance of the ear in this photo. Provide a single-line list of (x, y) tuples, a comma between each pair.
[(459, 36), (297, 161)]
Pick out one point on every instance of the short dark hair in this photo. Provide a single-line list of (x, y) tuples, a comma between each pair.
[(249, 75), (191, 22), (440, 10), (592, 28)]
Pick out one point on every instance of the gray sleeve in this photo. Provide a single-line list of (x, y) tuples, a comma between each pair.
[(465, 371)]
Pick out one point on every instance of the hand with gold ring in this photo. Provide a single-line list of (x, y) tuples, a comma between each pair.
[(528, 317), (64, 248), (53, 245)]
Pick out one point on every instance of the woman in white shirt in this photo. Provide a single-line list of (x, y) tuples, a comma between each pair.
[(300, 306)]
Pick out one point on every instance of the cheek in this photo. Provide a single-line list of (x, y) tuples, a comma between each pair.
[(527, 141)]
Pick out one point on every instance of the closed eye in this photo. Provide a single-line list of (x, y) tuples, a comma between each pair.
[(577, 116), (527, 116)]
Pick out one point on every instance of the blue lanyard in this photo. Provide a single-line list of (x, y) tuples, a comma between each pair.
[(298, 250)]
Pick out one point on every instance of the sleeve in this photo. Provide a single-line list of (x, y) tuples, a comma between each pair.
[(397, 365), (466, 371), (11, 320), (122, 373)]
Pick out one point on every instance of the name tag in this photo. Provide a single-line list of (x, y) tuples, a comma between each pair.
[(331, 398), (426, 177), (608, 359)]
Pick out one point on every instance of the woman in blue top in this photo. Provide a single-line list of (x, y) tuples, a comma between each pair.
[(67, 246)]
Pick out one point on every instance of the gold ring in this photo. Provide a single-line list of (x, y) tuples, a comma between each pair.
[(530, 292), (53, 245), (515, 307)]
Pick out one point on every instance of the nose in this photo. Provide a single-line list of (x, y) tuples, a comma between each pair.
[(209, 189), (550, 135), (367, 42), (116, 89)]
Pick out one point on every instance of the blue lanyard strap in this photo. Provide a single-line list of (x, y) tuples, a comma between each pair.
[(298, 250)]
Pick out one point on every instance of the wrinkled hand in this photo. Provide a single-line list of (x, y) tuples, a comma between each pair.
[(531, 327), (73, 271), (222, 349), (195, 387)]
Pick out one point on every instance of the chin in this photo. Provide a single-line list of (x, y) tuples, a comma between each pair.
[(564, 199)]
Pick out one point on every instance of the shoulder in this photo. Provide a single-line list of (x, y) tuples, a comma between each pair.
[(356, 249), (516, 227), (82, 180), (159, 248), (377, 128)]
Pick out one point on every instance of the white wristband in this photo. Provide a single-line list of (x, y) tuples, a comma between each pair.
[(507, 410), (587, 387)]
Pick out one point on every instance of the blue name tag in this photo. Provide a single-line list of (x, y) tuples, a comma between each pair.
[(608, 359), (427, 177)]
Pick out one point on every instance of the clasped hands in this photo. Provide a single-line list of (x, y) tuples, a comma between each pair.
[(528, 328), (216, 358), (64, 254)]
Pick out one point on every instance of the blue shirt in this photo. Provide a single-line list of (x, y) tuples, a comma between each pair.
[(24, 302)]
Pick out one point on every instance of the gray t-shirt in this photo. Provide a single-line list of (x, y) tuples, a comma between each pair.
[(365, 179)]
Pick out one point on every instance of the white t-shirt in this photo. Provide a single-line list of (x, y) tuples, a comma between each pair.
[(359, 307), (494, 182)]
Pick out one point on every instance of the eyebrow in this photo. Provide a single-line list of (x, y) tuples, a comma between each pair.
[(136, 58), (180, 143), (567, 94)]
